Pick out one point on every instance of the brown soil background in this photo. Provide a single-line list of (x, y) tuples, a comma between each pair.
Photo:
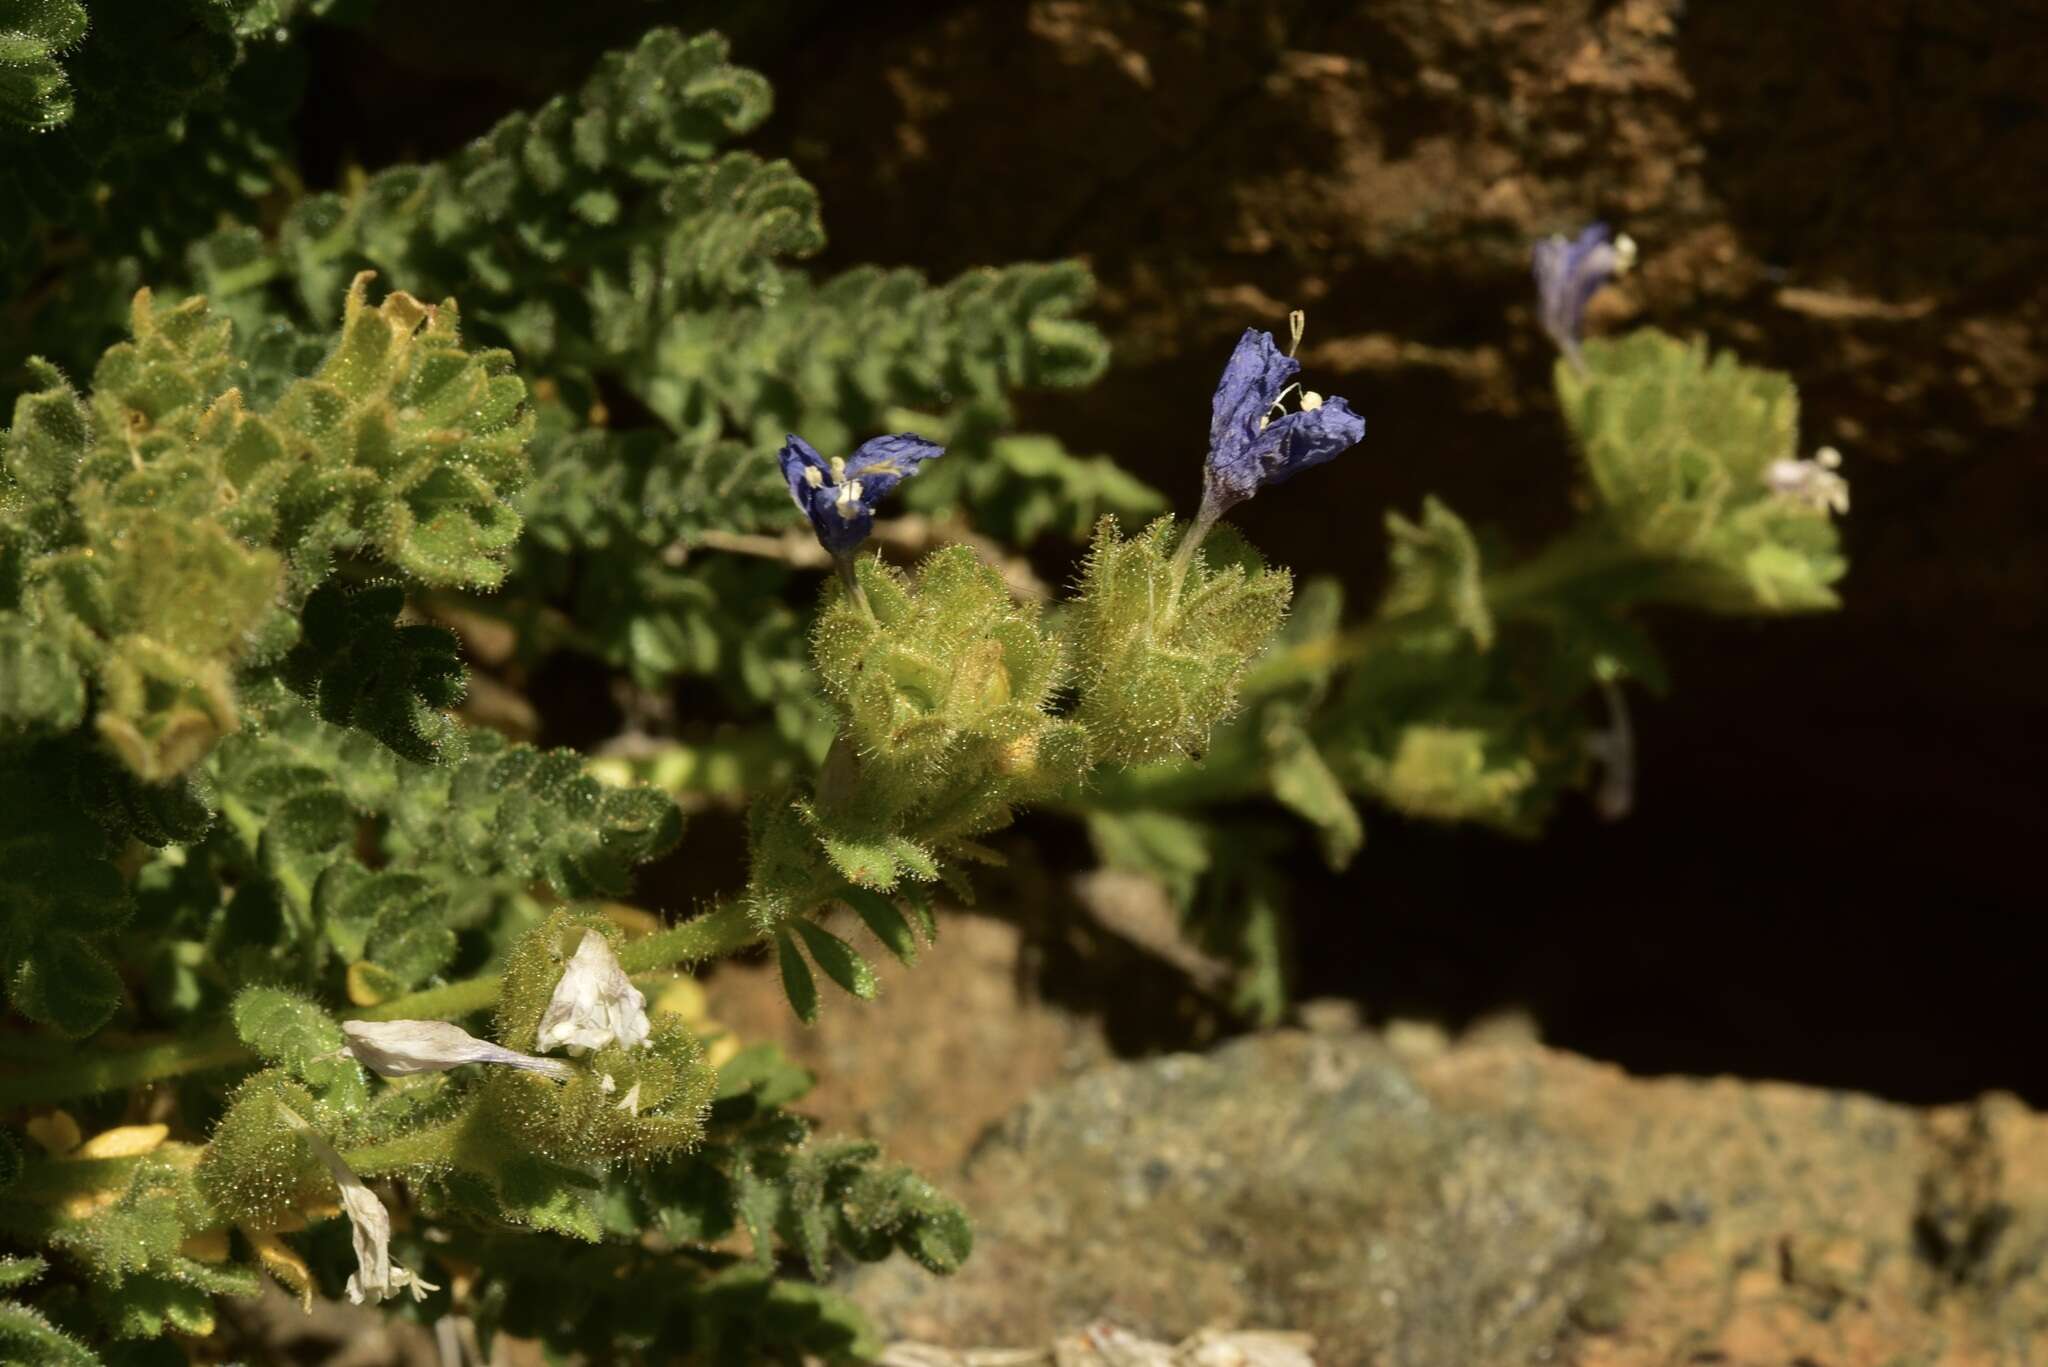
[(1831, 875)]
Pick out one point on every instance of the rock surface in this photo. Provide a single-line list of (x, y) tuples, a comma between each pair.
[(1496, 1204), (1292, 1180), (946, 1050)]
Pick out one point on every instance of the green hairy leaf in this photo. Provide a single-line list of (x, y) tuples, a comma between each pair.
[(1679, 445)]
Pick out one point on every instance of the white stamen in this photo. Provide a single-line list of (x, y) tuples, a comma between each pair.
[(1624, 254), (1310, 402), (630, 1103), (376, 1276), (606, 1085), (1297, 323), (839, 469), (814, 477), (848, 502), (402, 1048), (595, 1005)]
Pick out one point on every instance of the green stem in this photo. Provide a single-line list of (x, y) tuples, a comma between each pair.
[(843, 562), (89, 1074), (436, 1003), (717, 932), (1184, 554), (436, 1145), (1570, 563), (47, 1181)]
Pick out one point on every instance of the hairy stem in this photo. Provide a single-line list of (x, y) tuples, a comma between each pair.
[(87, 1074), (436, 1145), (1570, 563)]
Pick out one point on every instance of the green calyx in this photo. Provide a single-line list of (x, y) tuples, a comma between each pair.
[(1158, 656), (943, 684)]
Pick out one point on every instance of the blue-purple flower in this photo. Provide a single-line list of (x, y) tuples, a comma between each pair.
[(1254, 440), (1569, 271), (839, 495)]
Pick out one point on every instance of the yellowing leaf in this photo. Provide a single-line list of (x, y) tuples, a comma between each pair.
[(125, 1141), (57, 1132), (276, 1257)]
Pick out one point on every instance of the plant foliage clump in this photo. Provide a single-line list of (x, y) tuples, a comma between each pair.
[(323, 966)]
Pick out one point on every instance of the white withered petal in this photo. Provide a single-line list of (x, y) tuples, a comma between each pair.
[(595, 1004), (1818, 483), (376, 1277), (402, 1048)]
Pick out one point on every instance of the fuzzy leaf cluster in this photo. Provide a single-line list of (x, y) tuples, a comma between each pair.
[(654, 1281), (128, 1249), (579, 227), (124, 139), (360, 667), (159, 533), (1677, 443), (611, 242), (831, 359), (26, 1334), (35, 94), (836, 361), (456, 845), (62, 891)]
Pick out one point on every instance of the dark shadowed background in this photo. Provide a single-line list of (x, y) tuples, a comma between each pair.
[(1833, 870)]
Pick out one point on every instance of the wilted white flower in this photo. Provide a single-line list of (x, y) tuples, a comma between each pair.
[(1817, 483), (595, 1004), (1615, 751), (376, 1277), (402, 1048)]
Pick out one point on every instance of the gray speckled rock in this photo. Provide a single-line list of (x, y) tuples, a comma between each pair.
[(1290, 1181)]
